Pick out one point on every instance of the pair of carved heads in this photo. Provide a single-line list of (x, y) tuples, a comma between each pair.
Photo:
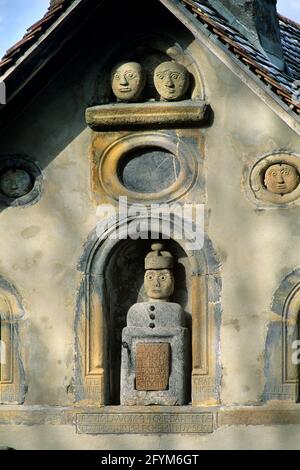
[(128, 80)]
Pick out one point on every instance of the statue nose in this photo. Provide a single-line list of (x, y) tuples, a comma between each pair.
[(280, 178), (169, 83), (123, 81)]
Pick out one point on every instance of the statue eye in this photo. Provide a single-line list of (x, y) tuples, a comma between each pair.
[(274, 173), (175, 75), (160, 75), (286, 172), (130, 75), (150, 277), (117, 76), (162, 278)]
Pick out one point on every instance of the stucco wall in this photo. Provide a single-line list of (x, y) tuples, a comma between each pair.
[(41, 244)]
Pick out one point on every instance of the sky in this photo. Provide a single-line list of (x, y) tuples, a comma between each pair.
[(17, 15)]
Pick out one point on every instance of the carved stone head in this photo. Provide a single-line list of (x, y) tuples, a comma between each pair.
[(15, 183), (159, 284), (128, 80), (281, 178), (159, 279), (171, 80)]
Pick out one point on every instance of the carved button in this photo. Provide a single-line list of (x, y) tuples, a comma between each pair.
[(152, 325), (152, 317), (152, 308)]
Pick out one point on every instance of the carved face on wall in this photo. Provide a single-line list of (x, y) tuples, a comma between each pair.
[(159, 284), (128, 81), (171, 80), (281, 178), (15, 183)]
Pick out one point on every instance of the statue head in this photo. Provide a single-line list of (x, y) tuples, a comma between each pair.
[(128, 80), (159, 279), (171, 80), (15, 183), (281, 178)]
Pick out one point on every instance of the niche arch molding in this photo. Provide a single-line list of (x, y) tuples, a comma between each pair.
[(282, 376), (92, 316)]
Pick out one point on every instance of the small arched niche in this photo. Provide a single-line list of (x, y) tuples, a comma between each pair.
[(113, 273), (283, 343), (12, 377)]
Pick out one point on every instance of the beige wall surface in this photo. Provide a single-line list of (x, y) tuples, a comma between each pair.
[(42, 244)]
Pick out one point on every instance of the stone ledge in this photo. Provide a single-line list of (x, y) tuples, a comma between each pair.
[(203, 419), (157, 115)]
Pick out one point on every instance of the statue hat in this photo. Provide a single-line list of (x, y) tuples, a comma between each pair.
[(158, 258)]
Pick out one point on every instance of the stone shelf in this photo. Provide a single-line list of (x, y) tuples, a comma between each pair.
[(153, 419), (126, 116)]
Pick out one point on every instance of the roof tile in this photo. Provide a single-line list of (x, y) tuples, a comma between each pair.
[(281, 83)]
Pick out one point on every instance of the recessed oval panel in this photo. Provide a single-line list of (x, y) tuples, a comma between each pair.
[(148, 170)]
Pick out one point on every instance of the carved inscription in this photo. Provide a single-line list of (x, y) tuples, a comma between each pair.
[(144, 423), (152, 366)]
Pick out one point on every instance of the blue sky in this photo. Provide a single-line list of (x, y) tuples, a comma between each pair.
[(17, 15)]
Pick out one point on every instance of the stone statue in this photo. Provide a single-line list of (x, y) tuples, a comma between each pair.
[(128, 80), (281, 178), (155, 341), (171, 80)]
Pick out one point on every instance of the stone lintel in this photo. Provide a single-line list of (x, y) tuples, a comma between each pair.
[(268, 415), (126, 116)]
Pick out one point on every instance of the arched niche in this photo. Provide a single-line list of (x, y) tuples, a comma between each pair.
[(112, 280), (12, 376), (282, 375), (150, 50)]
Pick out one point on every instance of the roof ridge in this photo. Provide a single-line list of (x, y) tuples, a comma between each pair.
[(285, 19)]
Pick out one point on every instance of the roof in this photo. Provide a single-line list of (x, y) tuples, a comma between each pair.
[(34, 33), (281, 83)]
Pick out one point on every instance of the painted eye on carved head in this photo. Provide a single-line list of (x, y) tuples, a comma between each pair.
[(150, 277), (174, 75), (131, 75), (163, 277)]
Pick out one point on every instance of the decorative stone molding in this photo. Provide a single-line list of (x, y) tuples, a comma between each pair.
[(94, 320), (156, 115), (108, 157), (12, 379), (282, 376), (261, 184)]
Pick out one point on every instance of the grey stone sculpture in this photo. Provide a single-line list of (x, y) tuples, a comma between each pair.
[(155, 342)]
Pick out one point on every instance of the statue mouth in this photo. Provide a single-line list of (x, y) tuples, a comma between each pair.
[(124, 90)]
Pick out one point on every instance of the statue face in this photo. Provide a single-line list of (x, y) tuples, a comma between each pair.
[(281, 178), (15, 183), (128, 81), (159, 284), (171, 80)]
